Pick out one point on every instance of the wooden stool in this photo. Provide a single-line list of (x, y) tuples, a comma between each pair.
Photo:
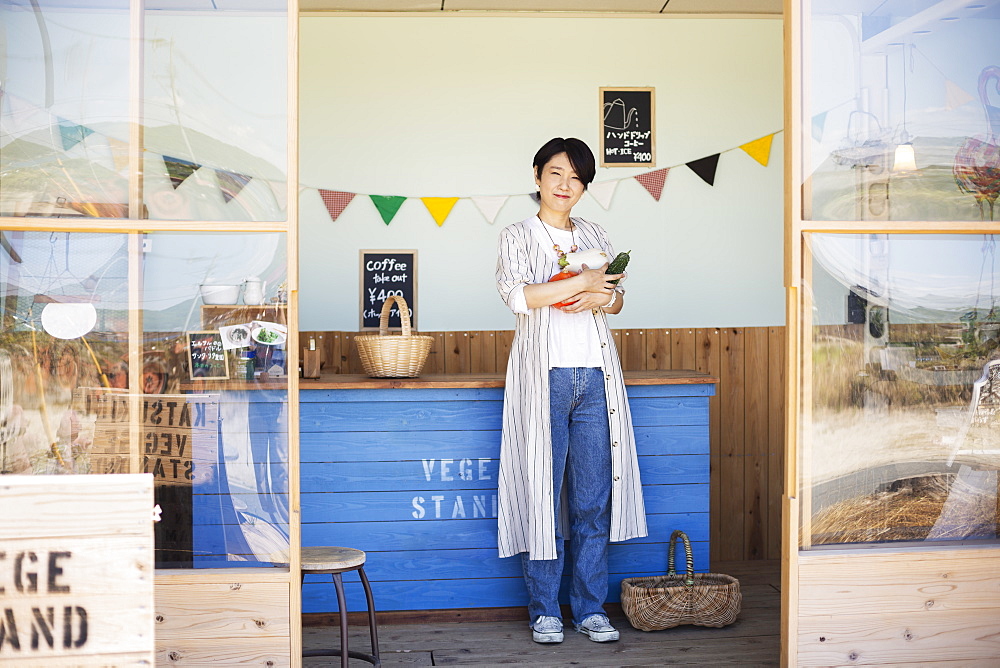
[(337, 560)]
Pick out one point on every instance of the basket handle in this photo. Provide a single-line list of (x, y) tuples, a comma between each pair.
[(687, 556), (404, 315)]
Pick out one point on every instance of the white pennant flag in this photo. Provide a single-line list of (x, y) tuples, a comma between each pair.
[(490, 206), (24, 120), (955, 96), (603, 192)]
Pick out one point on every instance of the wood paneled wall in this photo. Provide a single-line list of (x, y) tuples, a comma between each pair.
[(747, 413)]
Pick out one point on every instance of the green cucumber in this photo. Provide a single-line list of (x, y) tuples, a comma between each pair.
[(618, 265)]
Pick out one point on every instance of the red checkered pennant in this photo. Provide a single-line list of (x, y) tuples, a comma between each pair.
[(653, 181), (335, 201)]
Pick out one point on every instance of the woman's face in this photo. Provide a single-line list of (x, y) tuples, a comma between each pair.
[(559, 186)]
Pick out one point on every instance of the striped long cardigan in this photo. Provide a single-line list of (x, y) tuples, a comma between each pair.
[(526, 517)]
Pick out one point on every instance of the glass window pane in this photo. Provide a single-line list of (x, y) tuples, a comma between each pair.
[(901, 432), (901, 110), (206, 410), (64, 109), (215, 112)]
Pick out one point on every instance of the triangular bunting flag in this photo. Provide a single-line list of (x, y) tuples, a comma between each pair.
[(759, 149), (536, 197), (705, 168), (818, 123), (72, 133), (954, 95), (23, 118), (119, 153), (231, 183), (178, 170), (489, 206), (335, 201), (439, 207), (603, 192), (653, 181), (387, 205)]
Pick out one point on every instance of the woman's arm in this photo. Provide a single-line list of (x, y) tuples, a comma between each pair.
[(589, 289)]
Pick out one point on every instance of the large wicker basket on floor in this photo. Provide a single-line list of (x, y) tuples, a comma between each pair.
[(393, 355), (702, 599)]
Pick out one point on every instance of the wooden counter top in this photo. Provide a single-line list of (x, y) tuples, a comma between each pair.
[(451, 380), (431, 381)]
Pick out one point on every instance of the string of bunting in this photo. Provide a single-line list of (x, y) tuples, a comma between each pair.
[(26, 119), (654, 182), (69, 134)]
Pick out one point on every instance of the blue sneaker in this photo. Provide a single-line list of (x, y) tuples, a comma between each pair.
[(547, 629), (598, 628)]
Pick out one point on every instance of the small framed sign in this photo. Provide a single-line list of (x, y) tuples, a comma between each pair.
[(384, 273), (206, 356), (628, 133)]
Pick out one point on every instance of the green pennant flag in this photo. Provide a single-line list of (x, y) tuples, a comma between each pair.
[(387, 205), (72, 134)]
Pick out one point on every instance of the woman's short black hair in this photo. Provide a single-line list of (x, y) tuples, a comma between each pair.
[(579, 154)]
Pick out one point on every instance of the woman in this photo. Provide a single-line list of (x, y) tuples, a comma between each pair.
[(567, 445)]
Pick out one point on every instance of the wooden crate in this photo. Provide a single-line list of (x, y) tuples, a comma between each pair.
[(899, 607), (76, 570)]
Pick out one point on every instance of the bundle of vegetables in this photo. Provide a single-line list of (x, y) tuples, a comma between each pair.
[(573, 263)]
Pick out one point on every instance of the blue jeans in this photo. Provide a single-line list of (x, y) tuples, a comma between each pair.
[(581, 455)]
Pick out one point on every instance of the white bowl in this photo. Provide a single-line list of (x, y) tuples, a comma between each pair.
[(220, 294)]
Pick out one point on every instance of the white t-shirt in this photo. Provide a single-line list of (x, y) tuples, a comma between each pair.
[(573, 339)]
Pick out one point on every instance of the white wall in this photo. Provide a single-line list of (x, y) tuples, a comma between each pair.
[(457, 106)]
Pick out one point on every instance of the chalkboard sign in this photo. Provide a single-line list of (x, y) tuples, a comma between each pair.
[(628, 134), (384, 273), (206, 356)]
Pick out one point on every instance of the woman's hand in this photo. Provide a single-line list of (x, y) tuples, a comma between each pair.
[(597, 293)]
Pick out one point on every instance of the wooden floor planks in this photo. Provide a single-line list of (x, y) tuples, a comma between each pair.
[(753, 640)]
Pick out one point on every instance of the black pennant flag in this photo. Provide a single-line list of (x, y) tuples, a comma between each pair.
[(231, 183), (705, 168), (178, 170)]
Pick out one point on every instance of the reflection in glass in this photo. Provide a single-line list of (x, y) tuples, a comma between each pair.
[(901, 111), (901, 427), (215, 114), (64, 109), (216, 442)]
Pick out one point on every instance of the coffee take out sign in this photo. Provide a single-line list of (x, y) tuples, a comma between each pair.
[(76, 570)]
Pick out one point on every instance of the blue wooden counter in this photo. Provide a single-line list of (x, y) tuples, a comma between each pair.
[(406, 470)]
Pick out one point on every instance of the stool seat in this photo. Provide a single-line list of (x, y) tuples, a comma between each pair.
[(335, 561), (331, 559)]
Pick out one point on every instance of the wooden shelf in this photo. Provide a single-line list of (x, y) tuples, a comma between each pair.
[(214, 316)]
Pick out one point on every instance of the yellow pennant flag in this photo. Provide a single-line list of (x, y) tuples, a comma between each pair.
[(119, 153), (759, 149), (439, 207)]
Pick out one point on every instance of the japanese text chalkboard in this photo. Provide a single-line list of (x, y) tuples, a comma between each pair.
[(206, 357), (628, 118), (384, 273)]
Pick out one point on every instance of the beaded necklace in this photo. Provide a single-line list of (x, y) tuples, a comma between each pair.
[(560, 253)]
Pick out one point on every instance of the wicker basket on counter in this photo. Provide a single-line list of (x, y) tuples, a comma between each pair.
[(385, 355), (703, 599)]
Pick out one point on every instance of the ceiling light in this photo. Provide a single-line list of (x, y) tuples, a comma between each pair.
[(68, 321), (904, 160)]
